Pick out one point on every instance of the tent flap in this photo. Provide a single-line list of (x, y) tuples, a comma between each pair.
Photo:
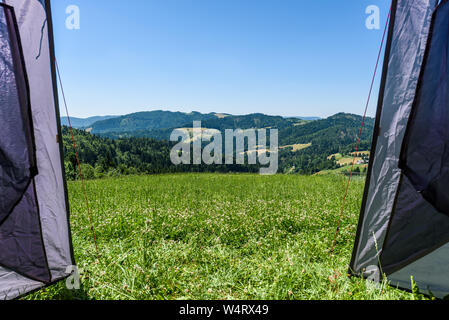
[(34, 213), (406, 45), (16, 146), (404, 224)]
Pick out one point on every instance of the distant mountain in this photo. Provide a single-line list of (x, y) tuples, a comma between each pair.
[(336, 134), (160, 124), (79, 123), (147, 121), (154, 120), (340, 129)]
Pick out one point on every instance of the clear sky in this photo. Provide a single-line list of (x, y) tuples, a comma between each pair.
[(280, 57)]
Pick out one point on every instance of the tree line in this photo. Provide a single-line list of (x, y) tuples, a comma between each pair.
[(105, 157)]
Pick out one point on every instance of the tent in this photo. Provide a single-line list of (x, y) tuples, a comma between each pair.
[(35, 240), (403, 230)]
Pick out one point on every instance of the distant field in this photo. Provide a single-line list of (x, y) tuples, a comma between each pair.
[(366, 153), (346, 162), (297, 147), (211, 236), (293, 147), (344, 169)]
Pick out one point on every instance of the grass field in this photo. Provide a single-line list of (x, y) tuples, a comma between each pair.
[(214, 236)]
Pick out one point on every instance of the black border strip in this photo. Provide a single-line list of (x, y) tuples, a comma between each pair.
[(58, 122), (404, 149), (376, 133)]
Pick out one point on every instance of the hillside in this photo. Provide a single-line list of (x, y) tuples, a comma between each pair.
[(147, 121), (305, 146), (251, 121), (159, 124), (102, 157), (336, 134), (340, 129)]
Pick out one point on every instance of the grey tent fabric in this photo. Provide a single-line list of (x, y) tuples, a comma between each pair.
[(406, 44), (17, 161), (404, 223), (429, 273), (420, 221), (425, 158), (35, 238), (21, 245), (13, 284), (22, 248), (34, 23), (416, 229)]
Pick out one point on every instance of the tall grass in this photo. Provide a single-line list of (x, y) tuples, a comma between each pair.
[(211, 236)]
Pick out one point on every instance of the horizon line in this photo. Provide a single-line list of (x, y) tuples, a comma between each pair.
[(231, 114)]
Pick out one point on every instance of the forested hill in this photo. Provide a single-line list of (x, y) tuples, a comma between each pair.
[(334, 134), (147, 121), (102, 157), (338, 133), (306, 146), (159, 124)]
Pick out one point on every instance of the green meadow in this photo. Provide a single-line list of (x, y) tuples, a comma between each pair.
[(213, 236)]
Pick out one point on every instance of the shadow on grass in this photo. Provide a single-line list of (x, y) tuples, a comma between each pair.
[(60, 292), (66, 294)]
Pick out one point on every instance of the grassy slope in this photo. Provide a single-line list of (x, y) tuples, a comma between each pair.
[(216, 236)]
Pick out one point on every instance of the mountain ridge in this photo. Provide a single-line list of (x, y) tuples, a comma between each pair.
[(79, 123), (155, 119)]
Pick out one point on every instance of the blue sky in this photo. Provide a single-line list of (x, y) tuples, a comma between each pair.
[(282, 57)]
